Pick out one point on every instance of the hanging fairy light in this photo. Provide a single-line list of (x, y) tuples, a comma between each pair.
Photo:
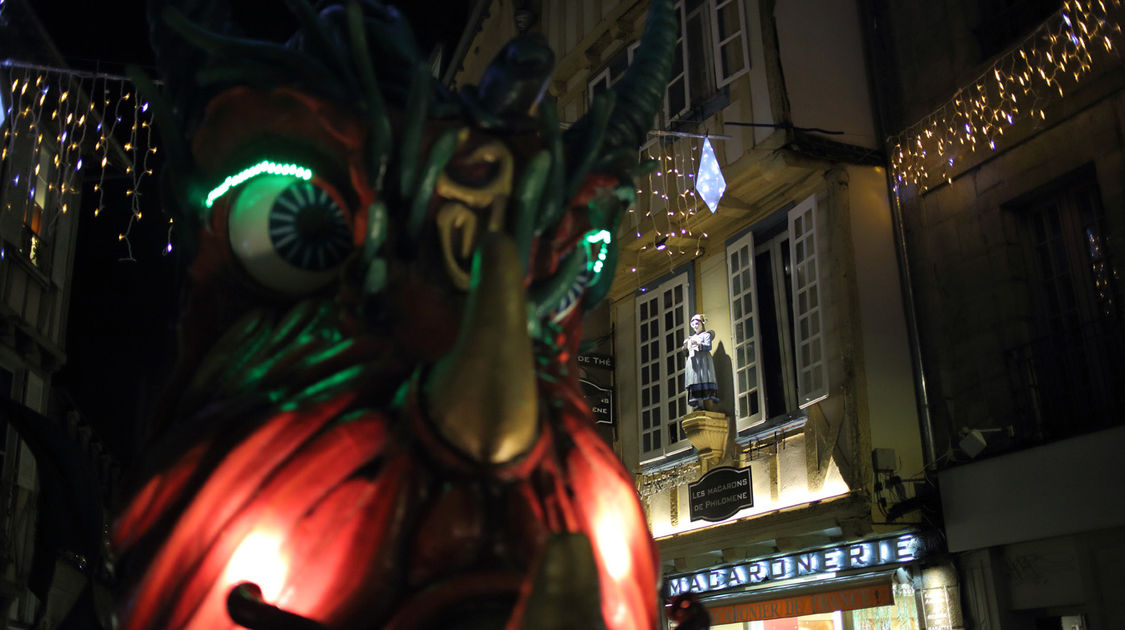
[(1018, 87), (59, 125), (664, 218)]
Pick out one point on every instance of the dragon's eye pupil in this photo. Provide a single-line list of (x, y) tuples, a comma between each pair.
[(308, 229)]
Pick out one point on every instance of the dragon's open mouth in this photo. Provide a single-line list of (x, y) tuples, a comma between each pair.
[(459, 229)]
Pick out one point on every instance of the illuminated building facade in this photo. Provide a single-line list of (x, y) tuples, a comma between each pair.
[(1004, 139), (49, 489), (795, 270)]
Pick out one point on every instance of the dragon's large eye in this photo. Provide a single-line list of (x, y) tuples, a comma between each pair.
[(290, 234)]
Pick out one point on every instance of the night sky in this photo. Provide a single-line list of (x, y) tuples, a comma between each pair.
[(121, 332), (108, 35)]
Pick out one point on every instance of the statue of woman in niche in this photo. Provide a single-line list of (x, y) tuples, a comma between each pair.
[(700, 369)]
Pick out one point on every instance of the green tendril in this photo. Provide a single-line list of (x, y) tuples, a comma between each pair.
[(440, 154), (376, 110), (316, 36), (553, 204), (224, 50), (599, 114), (417, 106), (527, 199)]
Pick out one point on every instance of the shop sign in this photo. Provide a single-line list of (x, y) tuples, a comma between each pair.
[(600, 400), (720, 493), (941, 607), (844, 599), (859, 555), (595, 360)]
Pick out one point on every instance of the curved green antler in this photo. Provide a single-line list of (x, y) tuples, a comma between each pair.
[(640, 93)]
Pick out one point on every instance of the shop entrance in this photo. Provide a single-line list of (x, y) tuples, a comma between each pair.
[(902, 614)]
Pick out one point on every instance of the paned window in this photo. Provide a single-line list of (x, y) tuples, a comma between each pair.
[(33, 245), (744, 318), (812, 379), (1069, 379), (662, 319), (728, 24), (711, 51), (608, 76), (776, 317)]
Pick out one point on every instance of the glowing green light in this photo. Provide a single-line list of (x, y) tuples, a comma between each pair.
[(602, 236), (265, 167)]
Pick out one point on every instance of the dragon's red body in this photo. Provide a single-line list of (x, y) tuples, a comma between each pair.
[(374, 434)]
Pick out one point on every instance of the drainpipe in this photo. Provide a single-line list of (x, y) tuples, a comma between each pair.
[(876, 61), (907, 288)]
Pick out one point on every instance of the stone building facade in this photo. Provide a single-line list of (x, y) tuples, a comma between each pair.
[(796, 272), (1013, 221)]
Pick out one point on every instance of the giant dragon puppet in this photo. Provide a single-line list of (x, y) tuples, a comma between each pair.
[(375, 421)]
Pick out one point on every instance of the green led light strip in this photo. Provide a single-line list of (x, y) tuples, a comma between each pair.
[(603, 237), (265, 167)]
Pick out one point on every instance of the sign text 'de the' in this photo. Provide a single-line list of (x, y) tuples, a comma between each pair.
[(594, 360)]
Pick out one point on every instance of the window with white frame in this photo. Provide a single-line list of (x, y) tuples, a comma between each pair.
[(776, 317), (812, 379), (744, 321), (601, 81), (711, 51), (728, 28), (32, 244), (676, 95), (662, 318)]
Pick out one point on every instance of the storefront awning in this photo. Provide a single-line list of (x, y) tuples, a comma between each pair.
[(871, 591)]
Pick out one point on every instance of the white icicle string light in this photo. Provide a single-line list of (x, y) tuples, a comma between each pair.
[(65, 120), (1018, 87)]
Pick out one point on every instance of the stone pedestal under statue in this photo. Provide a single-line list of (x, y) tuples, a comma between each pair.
[(708, 432)]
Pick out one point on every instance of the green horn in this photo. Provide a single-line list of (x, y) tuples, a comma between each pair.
[(640, 93)]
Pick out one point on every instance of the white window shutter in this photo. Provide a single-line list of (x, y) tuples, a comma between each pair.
[(599, 80), (678, 81), (674, 304), (730, 51), (649, 407), (812, 368), (661, 400), (749, 395)]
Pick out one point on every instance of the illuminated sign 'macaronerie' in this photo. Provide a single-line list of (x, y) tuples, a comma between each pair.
[(859, 555)]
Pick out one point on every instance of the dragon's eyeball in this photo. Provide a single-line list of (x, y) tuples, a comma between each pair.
[(291, 235)]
